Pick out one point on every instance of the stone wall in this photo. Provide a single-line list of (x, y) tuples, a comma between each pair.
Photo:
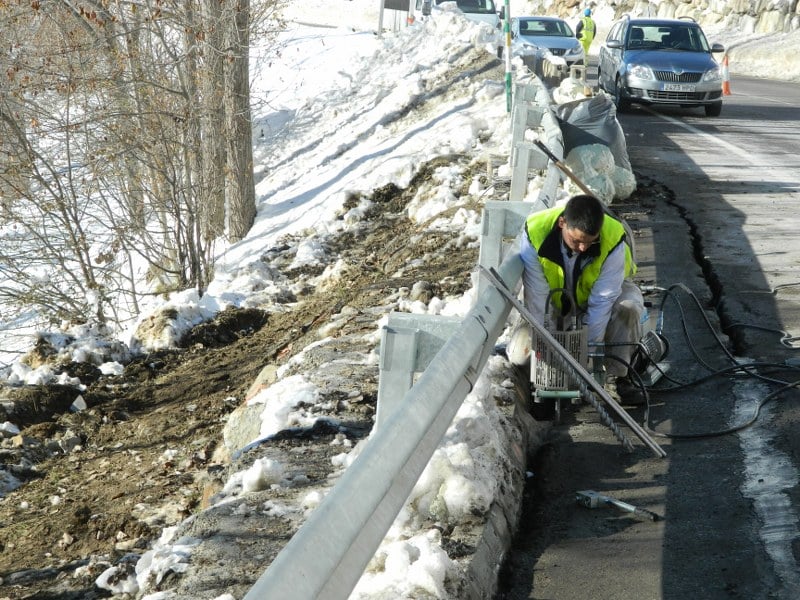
[(747, 16)]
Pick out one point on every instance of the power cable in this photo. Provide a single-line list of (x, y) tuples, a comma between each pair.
[(786, 337), (646, 424), (738, 365), (747, 369)]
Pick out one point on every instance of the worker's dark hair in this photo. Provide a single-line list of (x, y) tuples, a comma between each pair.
[(585, 213)]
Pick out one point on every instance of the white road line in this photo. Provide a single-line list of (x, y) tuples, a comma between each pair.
[(744, 154)]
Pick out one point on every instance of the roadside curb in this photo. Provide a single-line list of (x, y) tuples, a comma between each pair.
[(503, 519)]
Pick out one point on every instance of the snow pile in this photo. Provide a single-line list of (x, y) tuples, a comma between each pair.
[(460, 481), (280, 401), (130, 577)]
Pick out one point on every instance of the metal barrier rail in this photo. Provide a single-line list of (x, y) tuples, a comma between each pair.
[(326, 557), (328, 554)]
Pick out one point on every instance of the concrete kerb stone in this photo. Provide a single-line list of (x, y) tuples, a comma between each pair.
[(502, 522)]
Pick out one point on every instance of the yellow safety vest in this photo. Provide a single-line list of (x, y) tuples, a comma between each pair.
[(587, 33), (545, 236)]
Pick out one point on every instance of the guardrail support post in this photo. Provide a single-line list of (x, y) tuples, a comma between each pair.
[(524, 157), (526, 115), (526, 92), (397, 366), (500, 220), (578, 72), (408, 344)]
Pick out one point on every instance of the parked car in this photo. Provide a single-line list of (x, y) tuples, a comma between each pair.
[(660, 61), (532, 34)]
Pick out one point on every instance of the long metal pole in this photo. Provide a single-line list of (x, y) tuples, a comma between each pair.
[(507, 30)]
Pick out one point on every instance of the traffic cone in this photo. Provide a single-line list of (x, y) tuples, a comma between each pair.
[(726, 79)]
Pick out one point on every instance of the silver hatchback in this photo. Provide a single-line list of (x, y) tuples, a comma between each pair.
[(529, 34), (660, 61)]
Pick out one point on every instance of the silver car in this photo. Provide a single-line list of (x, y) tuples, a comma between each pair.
[(660, 61), (530, 35)]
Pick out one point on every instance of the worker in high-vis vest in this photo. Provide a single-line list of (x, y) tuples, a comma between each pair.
[(583, 249), (585, 31)]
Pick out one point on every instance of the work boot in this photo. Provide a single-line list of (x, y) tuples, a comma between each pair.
[(623, 391), (630, 393)]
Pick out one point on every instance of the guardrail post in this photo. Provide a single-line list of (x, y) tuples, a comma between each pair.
[(397, 365), (578, 72), (524, 157), (526, 92), (408, 344), (526, 115), (500, 220)]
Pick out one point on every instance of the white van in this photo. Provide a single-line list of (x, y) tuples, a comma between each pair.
[(482, 11)]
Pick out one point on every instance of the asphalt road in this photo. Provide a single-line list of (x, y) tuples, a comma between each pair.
[(720, 236)]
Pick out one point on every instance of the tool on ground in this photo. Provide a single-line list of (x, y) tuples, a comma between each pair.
[(647, 360), (590, 387), (592, 499)]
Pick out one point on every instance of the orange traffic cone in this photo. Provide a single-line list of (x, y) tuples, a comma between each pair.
[(726, 79)]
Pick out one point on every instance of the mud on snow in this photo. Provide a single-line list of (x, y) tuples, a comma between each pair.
[(98, 485)]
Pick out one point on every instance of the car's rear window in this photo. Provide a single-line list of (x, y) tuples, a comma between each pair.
[(473, 6)]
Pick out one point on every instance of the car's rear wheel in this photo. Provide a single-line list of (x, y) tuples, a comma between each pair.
[(620, 100), (713, 110)]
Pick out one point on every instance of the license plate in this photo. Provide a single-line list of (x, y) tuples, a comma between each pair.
[(679, 87)]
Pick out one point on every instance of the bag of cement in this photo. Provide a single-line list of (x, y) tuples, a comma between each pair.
[(593, 121)]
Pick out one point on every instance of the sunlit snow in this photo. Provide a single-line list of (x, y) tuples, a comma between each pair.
[(348, 81)]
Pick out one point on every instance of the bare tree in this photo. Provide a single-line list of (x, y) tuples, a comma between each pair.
[(126, 138), (213, 115)]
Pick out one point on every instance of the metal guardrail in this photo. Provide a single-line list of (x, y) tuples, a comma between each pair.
[(328, 554), (532, 111), (326, 557)]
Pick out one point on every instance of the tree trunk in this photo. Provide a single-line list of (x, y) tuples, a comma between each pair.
[(241, 195), (212, 204)]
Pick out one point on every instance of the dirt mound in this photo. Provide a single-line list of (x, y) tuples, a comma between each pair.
[(99, 484)]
